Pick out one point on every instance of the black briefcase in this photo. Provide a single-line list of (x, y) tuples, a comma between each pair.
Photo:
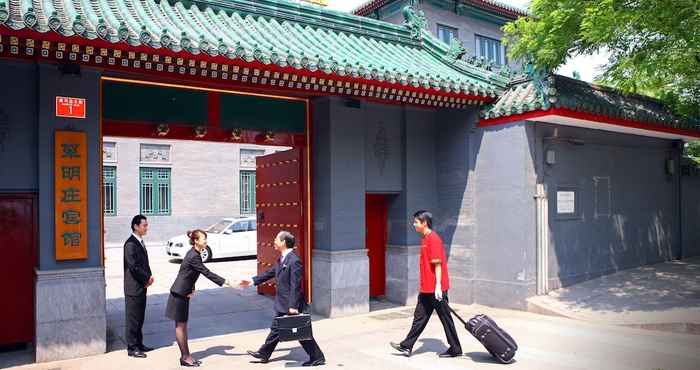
[(294, 327), (496, 340)]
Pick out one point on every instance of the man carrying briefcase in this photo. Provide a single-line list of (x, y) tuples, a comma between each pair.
[(288, 301)]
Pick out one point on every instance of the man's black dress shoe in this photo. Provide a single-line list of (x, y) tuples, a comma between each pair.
[(259, 356), (316, 362), (449, 353), (145, 348), (136, 353), (187, 364), (402, 349)]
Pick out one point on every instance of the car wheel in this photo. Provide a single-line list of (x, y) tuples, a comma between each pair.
[(206, 254)]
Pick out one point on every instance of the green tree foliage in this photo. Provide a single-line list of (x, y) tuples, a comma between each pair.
[(692, 149), (654, 44)]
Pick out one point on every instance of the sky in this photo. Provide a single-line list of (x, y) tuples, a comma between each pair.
[(587, 65)]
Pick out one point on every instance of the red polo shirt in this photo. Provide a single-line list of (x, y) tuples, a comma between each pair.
[(432, 249)]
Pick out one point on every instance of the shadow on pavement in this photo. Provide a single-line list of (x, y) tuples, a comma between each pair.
[(664, 286), (213, 312), (482, 357)]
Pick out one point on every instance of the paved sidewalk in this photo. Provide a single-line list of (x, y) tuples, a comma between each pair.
[(213, 310), (361, 342), (664, 296)]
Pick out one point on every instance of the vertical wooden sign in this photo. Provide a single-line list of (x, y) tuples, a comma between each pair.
[(70, 175)]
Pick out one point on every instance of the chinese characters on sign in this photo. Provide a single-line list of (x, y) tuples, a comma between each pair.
[(70, 107), (71, 195)]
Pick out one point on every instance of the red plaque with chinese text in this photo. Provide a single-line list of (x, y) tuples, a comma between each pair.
[(70, 107)]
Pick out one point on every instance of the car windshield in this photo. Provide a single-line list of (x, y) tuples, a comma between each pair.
[(218, 227)]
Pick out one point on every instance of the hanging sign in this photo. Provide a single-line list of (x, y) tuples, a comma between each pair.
[(70, 191)]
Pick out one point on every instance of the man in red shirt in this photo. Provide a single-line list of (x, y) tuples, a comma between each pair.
[(434, 283)]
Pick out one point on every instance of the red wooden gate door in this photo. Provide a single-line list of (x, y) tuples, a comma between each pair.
[(375, 242), (279, 198), (18, 229)]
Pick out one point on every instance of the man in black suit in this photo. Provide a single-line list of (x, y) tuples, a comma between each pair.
[(137, 279), (288, 300)]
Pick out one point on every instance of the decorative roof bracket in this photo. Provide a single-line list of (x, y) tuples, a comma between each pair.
[(456, 51)]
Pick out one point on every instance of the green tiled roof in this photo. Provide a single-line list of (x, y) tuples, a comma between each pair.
[(530, 95), (277, 32)]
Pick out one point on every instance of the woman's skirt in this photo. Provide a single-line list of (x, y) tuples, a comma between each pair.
[(178, 308)]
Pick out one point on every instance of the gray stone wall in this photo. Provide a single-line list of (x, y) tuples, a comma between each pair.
[(690, 203), (18, 127), (504, 274), (50, 84), (626, 208), (455, 214), (205, 185), (70, 314), (339, 175)]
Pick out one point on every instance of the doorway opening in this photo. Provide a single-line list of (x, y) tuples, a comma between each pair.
[(195, 157)]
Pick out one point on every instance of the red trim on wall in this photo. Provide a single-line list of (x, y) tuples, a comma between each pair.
[(563, 112), (214, 109), (624, 122), (215, 134)]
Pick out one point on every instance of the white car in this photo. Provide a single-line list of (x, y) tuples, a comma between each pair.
[(230, 237)]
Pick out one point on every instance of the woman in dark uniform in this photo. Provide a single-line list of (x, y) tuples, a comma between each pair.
[(178, 307)]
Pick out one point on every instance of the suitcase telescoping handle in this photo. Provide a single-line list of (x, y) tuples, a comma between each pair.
[(455, 313)]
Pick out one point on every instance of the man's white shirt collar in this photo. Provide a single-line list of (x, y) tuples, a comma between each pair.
[(285, 253), (139, 238)]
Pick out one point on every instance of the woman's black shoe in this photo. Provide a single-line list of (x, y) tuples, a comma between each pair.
[(187, 364)]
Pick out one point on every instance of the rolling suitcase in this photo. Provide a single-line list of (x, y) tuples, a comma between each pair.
[(499, 343)]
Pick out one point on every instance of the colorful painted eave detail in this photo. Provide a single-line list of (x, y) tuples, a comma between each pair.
[(527, 97), (268, 32)]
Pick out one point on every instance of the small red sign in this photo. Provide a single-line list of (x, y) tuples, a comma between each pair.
[(70, 107)]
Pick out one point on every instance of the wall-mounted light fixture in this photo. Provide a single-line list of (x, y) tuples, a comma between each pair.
[(269, 136), (670, 167), (162, 129), (200, 132), (550, 157), (236, 134)]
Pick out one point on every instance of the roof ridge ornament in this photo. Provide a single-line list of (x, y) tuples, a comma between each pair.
[(456, 51), (414, 19), (544, 84)]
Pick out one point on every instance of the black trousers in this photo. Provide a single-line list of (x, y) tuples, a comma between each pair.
[(310, 346), (424, 309), (135, 314)]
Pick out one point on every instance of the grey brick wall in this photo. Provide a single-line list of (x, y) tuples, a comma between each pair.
[(18, 127), (690, 203), (455, 214), (627, 204)]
